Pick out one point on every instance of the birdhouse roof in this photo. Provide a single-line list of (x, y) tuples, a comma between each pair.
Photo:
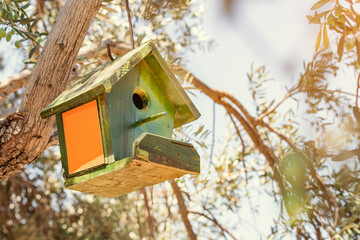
[(102, 79)]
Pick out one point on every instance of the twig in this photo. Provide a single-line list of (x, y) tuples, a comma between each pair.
[(149, 217), (223, 229), (249, 124), (280, 135), (130, 25), (357, 90), (138, 222), (243, 147), (275, 107), (291, 94), (165, 196), (213, 135), (329, 196), (183, 210)]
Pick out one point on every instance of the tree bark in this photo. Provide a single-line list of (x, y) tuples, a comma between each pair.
[(13, 83), (24, 135), (183, 210)]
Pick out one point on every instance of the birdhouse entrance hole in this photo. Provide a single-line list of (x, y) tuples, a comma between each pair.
[(139, 99)]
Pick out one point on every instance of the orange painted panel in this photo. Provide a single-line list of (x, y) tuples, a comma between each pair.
[(83, 137)]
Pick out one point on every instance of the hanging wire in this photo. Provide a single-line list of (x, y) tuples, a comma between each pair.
[(109, 52), (213, 136), (130, 25), (108, 46)]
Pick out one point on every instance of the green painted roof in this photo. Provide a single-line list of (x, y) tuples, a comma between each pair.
[(102, 79)]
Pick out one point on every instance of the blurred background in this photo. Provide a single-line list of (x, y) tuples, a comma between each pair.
[(257, 51)]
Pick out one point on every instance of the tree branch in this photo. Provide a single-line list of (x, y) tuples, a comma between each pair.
[(138, 222), (17, 81), (271, 110), (224, 229), (149, 217), (280, 135), (47, 81), (13, 83), (183, 210), (247, 121)]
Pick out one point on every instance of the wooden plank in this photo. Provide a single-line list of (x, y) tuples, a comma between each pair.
[(123, 114), (167, 152), (132, 177), (105, 129), (62, 144), (97, 172), (169, 160), (185, 110)]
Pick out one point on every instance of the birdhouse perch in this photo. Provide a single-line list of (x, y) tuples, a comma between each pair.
[(115, 126)]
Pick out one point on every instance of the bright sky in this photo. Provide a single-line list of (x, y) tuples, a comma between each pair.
[(274, 33)]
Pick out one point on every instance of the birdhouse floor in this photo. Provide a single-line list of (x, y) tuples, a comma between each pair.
[(155, 159)]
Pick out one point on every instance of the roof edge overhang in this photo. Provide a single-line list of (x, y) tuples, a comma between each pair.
[(185, 109), (103, 78), (100, 80)]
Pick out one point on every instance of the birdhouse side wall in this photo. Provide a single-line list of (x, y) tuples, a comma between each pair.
[(83, 133), (125, 117)]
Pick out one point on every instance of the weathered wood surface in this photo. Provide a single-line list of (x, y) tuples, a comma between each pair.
[(105, 129), (105, 137), (62, 144), (149, 165), (185, 110), (174, 154), (123, 114), (24, 144), (99, 81), (103, 79)]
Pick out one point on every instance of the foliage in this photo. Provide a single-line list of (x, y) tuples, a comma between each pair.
[(14, 20), (318, 183), (35, 206)]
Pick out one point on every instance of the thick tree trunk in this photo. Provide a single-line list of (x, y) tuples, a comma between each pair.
[(24, 135)]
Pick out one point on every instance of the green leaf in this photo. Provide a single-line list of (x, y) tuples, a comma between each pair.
[(32, 51), (326, 38), (82, 58), (199, 130), (340, 48), (318, 41), (357, 44), (103, 15), (109, 9), (319, 4), (26, 5), (349, 13), (140, 38)]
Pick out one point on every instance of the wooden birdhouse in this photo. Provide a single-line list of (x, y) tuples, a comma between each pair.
[(115, 126)]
